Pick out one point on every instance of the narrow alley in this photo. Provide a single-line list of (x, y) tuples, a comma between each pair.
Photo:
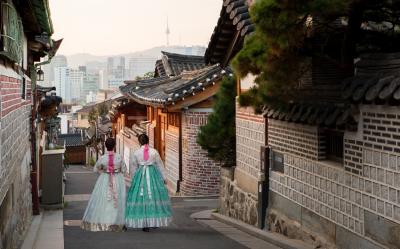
[(184, 232)]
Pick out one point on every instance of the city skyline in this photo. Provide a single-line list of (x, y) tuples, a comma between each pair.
[(119, 24)]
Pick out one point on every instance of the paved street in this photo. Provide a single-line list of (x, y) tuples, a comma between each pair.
[(183, 233)]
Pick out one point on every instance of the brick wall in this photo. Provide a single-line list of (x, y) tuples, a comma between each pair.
[(172, 159), (301, 140), (362, 192), (250, 136), (201, 175), (15, 156)]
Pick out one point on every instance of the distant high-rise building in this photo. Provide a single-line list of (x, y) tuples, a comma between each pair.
[(116, 66), (82, 69), (49, 74), (190, 50), (140, 65), (116, 71), (103, 82), (91, 97), (62, 84), (95, 66), (91, 83), (76, 82)]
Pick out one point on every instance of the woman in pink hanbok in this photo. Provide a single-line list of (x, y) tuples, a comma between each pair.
[(106, 208)]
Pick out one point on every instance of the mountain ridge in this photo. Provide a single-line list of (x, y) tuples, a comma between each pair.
[(81, 59)]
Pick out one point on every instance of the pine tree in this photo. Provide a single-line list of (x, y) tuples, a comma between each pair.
[(217, 137), (278, 50)]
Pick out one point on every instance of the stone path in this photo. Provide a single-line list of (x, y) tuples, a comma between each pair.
[(50, 235), (184, 232)]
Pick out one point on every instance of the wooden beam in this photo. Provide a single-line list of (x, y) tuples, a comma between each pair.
[(199, 97), (230, 50)]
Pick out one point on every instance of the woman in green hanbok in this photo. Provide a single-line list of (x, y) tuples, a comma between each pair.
[(147, 204)]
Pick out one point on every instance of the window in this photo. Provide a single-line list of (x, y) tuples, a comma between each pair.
[(23, 88), (277, 162), (334, 145), (11, 33), (174, 119)]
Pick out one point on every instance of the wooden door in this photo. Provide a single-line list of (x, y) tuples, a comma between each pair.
[(162, 121)]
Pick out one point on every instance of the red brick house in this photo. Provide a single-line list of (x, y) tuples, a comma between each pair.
[(25, 39), (178, 102)]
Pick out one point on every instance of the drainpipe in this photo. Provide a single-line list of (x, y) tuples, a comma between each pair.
[(180, 154), (263, 181)]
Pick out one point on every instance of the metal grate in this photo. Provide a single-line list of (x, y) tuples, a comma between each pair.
[(334, 145)]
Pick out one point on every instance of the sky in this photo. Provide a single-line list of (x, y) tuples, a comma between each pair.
[(104, 27)]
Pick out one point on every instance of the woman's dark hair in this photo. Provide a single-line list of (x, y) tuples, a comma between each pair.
[(143, 139), (110, 144)]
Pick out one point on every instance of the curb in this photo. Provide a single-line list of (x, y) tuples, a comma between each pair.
[(273, 238), (199, 197), (33, 232), (202, 215)]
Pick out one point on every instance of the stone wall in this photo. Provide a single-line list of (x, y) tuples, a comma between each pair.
[(201, 174), (15, 189), (238, 194), (172, 160), (234, 201), (359, 200)]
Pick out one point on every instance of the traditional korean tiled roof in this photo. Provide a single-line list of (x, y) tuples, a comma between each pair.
[(118, 103), (70, 140), (318, 114), (163, 91), (42, 11), (86, 108), (172, 64), (377, 80), (369, 90), (233, 25)]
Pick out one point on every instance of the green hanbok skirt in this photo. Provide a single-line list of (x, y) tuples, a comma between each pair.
[(148, 203)]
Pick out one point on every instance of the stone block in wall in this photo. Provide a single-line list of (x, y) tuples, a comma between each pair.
[(382, 230), (236, 203), (348, 240), (286, 206), (228, 173)]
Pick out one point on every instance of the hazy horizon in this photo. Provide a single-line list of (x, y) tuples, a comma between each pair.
[(99, 28), (124, 53)]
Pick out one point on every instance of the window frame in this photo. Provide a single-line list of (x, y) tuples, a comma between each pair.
[(334, 145), (11, 33)]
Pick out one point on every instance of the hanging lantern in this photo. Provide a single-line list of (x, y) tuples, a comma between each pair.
[(40, 75)]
